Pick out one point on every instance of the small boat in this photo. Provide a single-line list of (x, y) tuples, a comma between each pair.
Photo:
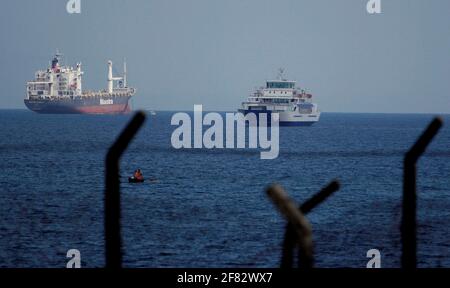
[(153, 113), (135, 180)]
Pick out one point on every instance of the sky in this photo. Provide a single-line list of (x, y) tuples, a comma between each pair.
[(214, 53)]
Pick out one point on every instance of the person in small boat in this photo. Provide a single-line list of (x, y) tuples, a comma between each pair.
[(138, 174)]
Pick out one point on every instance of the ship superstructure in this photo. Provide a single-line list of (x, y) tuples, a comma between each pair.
[(293, 104), (58, 89)]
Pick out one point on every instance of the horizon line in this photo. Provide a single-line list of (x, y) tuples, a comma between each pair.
[(228, 111)]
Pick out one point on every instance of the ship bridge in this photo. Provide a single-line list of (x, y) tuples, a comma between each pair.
[(280, 84), (278, 88)]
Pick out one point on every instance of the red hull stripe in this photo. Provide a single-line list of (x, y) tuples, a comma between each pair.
[(104, 109)]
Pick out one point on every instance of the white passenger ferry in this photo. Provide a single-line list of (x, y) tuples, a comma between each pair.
[(294, 105)]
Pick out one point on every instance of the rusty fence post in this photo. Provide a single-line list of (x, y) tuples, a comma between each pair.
[(408, 225), (305, 208), (300, 225), (113, 241)]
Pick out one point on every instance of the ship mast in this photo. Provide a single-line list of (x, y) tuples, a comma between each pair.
[(125, 73), (280, 73), (111, 79)]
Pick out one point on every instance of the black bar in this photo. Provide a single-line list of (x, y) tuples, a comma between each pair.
[(408, 226), (113, 241)]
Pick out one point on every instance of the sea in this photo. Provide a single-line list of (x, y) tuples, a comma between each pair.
[(209, 207)]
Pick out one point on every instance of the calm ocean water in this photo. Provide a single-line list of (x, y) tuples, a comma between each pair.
[(208, 208)]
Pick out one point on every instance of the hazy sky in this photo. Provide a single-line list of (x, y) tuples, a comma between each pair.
[(212, 52)]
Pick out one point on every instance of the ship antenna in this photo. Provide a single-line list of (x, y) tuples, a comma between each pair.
[(56, 59), (58, 55), (125, 72), (280, 73)]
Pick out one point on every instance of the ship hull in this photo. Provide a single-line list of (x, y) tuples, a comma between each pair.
[(81, 105), (287, 118)]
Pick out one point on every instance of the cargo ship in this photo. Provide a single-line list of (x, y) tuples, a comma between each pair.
[(294, 105), (58, 90)]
